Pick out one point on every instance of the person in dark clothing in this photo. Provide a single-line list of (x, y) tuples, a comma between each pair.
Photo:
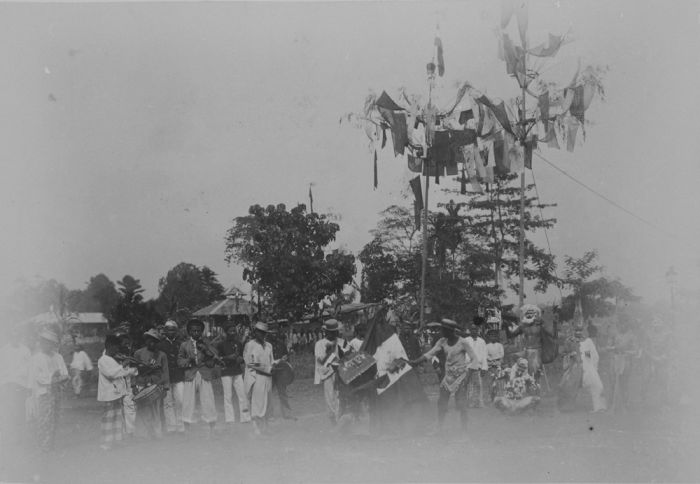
[(409, 340), (231, 352), (172, 402), (282, 372)]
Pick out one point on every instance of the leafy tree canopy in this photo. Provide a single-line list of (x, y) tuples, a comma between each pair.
[(284, 259)]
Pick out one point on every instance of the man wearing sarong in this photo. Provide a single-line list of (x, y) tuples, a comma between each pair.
[(521, 389), (47, 376), (258, 375), (231, 352), (153, 370), (477, 369), (458, 355), (282, 373), (79, 366), (327, 353), (111, 389), (129, 407), (494, 360), (172, 402), (198, 358), (14, 389)]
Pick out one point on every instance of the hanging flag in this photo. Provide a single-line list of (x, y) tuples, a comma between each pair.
[(376, 181), (543, 106), (578, 314), (463, 183), (415, 164), (507, 8), (417, 191), (498, 110), (549, 49), (571, 130), (529, 145), (416, 214), (311, 199), (551, 137), (522, 16), (440, 59), (384, 101)]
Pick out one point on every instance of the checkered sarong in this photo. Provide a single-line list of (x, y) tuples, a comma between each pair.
[(475, 396), (112, 423)]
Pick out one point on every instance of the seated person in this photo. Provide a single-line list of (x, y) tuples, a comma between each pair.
[(521, 389)]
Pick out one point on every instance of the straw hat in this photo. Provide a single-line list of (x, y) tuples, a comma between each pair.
[(262, 327), (48, 335), (152, 333), (331, 325)]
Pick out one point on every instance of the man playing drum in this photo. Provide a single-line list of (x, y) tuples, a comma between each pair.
[(153, 377)]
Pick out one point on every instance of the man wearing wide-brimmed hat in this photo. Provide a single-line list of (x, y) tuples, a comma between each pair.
[(258, 375), (327, 353), (153, 370), (198, 358), (47, 373), (458, 354)]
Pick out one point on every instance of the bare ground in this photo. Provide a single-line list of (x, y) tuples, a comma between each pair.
[(547, 446)]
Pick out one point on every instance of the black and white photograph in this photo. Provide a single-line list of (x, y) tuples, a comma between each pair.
[(382, 241)]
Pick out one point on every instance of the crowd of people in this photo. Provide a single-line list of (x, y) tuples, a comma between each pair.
[(152, 390)]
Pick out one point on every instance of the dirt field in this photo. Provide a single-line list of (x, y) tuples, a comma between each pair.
[(649, 446)]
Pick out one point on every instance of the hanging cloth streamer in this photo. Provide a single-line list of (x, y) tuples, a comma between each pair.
[(498, 110), (549, 49), (417, 191), (440, 57), (376, 181)]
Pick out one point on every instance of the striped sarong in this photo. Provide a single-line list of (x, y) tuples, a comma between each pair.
[(112, 423)]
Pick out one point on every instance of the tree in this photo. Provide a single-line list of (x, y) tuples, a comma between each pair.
[(130, 306), (283, 255), (492, 224), (391, 260), (599, 296), (187, 288), (41, 296), (100, 295)]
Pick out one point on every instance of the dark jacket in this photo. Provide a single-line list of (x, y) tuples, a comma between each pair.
[(229, 347), (199, 360), (171, 350)]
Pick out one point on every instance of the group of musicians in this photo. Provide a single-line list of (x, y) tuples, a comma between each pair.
[(155, 388)]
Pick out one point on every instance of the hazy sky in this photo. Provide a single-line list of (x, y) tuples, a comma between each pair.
[(134, 133)]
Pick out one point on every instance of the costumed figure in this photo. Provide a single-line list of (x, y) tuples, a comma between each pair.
[(537, 338), (521, 389), (589, 360)]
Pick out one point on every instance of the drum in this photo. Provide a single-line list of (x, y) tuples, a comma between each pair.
[(283, 373), (148, 395)]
